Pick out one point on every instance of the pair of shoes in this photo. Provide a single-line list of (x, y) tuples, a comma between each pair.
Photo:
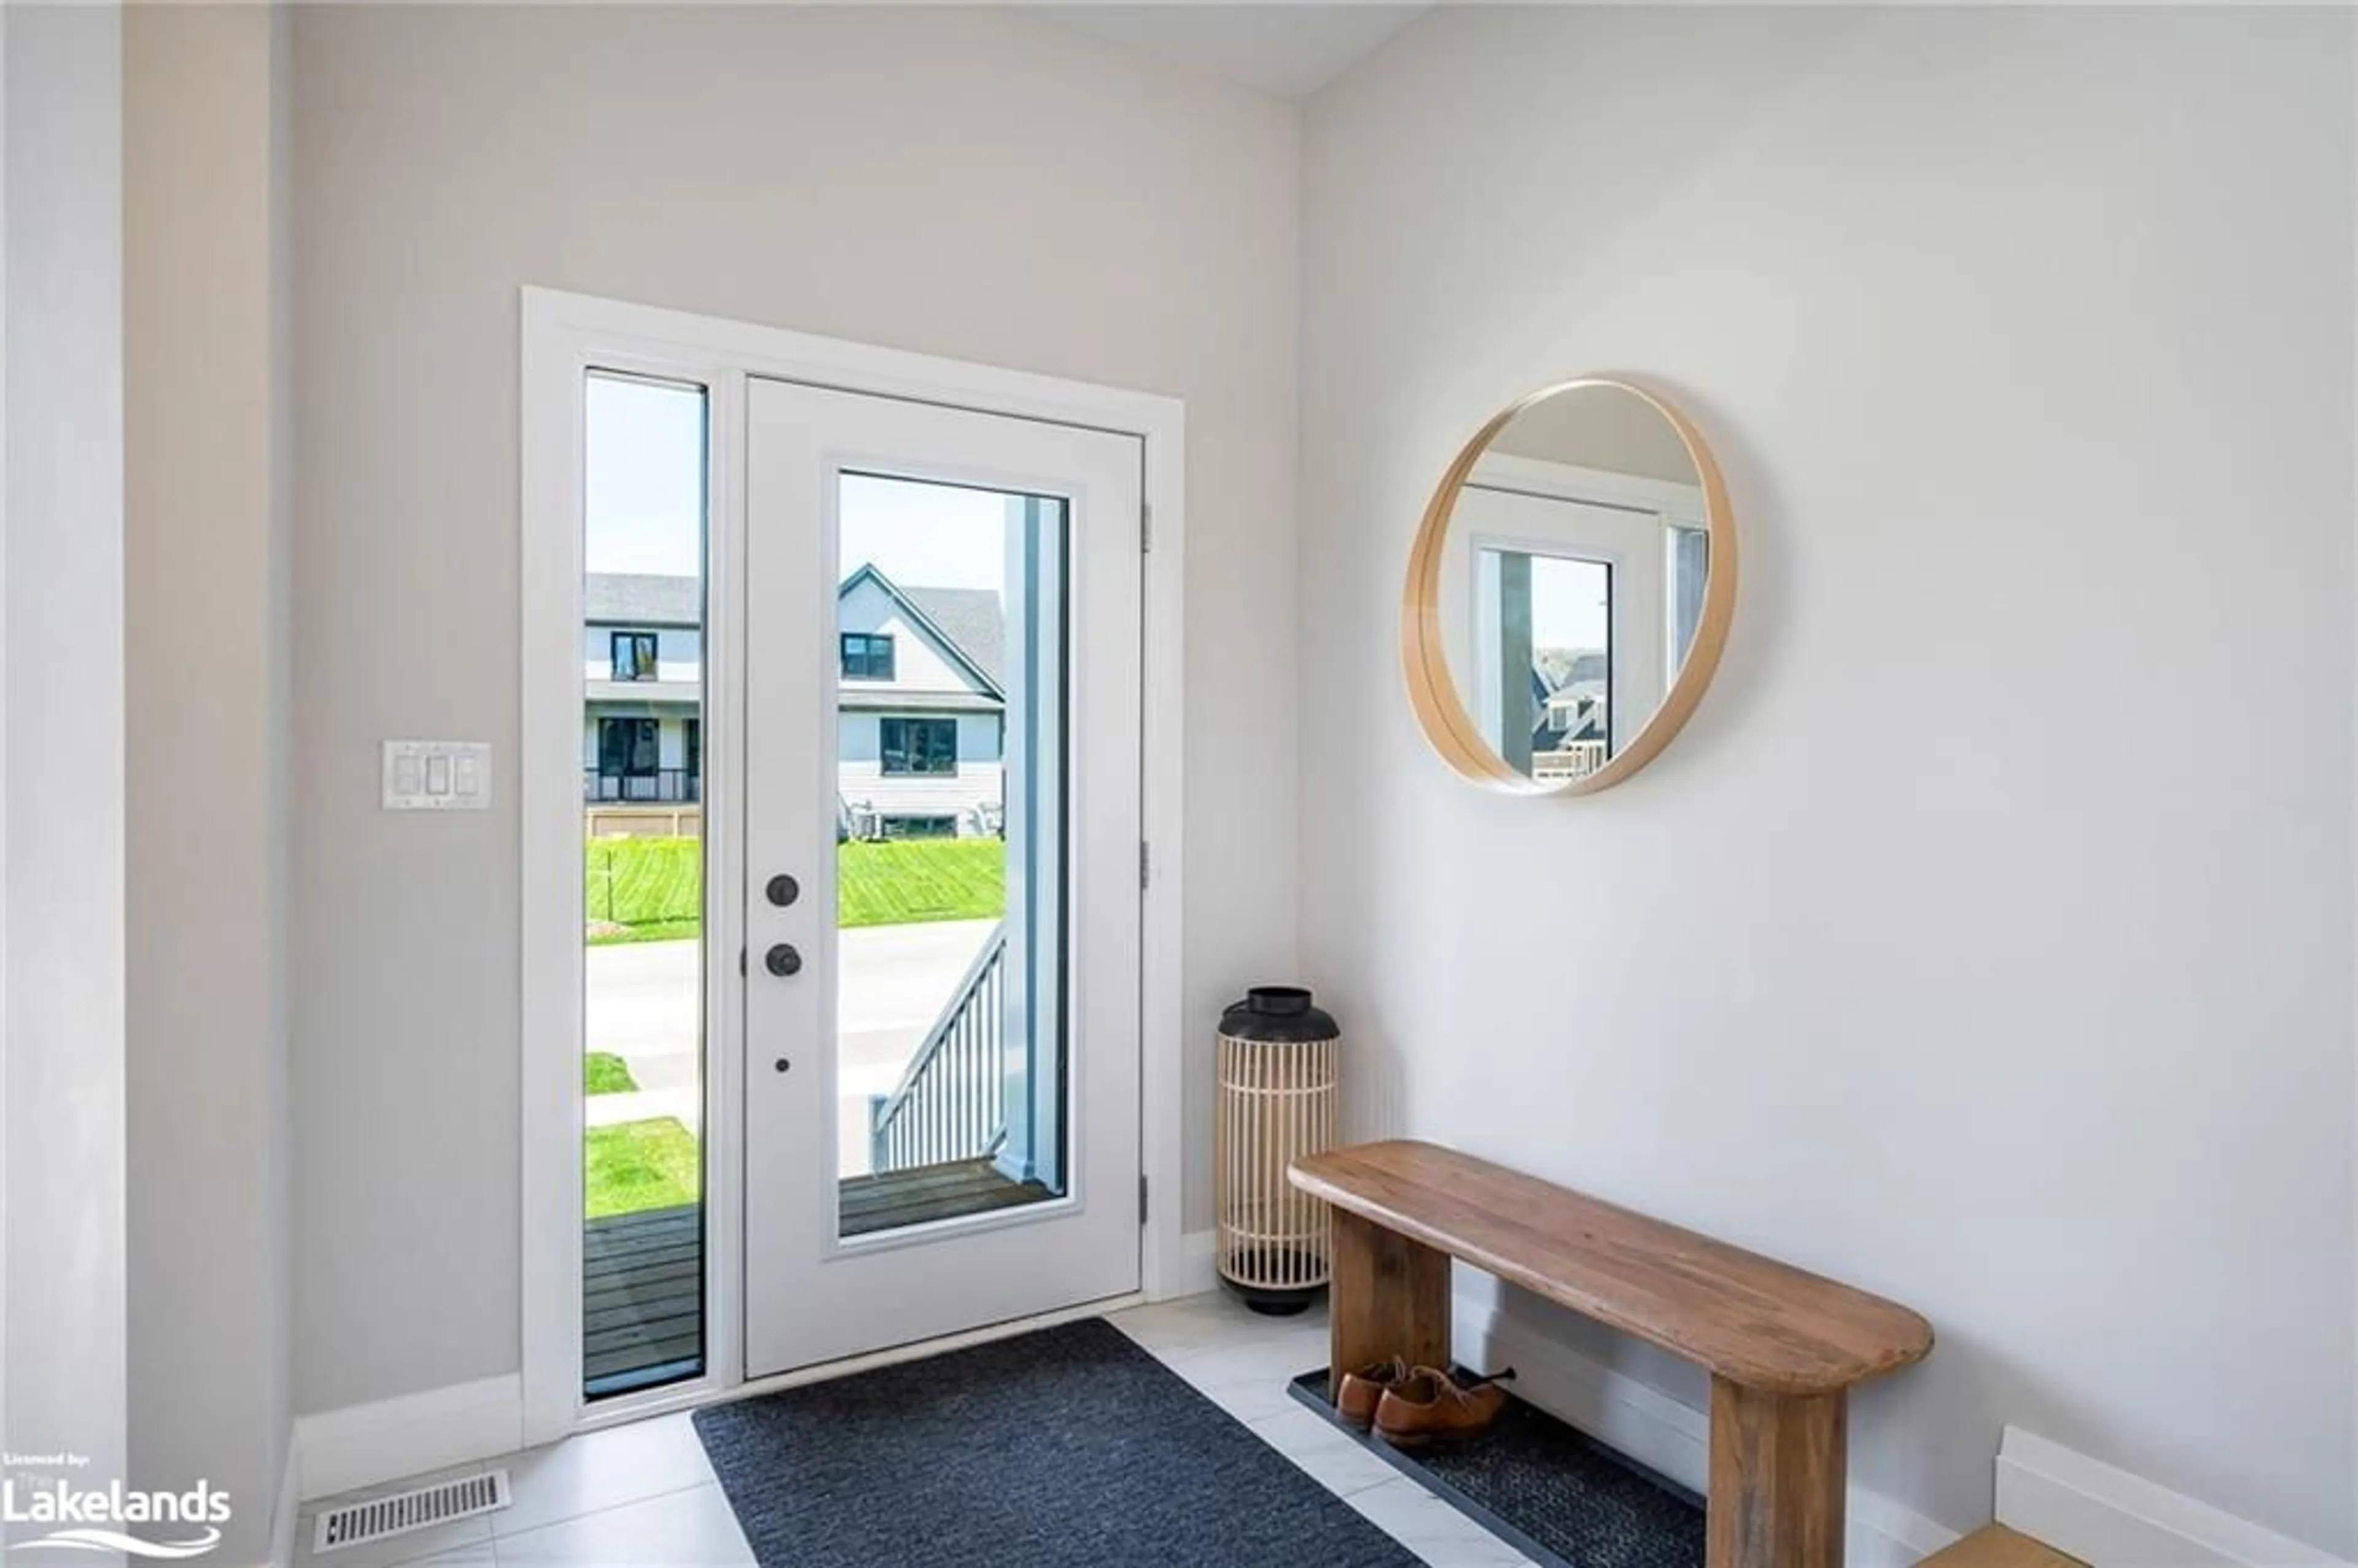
[(1429, 1404), (1356, 1401)]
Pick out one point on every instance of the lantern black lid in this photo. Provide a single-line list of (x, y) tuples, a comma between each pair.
[(1278, 1015)]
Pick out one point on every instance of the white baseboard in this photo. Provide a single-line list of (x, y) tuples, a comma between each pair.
[(1199, 1263), (1658, 1430), (2110, 1519), (366, 1445)]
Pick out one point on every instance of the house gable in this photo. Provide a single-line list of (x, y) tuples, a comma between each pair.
[(927, 659)]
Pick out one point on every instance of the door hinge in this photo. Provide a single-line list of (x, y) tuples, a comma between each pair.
[(1145, 527), (1144, 867), (1142, 1200)]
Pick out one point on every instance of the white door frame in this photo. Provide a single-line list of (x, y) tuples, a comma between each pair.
[(564, 336)]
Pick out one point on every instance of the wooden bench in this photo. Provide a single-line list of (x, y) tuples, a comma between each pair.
[(1784, 1347)]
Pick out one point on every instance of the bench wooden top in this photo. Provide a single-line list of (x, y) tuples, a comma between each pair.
[(1749, 1319)]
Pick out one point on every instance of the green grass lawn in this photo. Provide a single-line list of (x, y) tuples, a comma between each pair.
[(913, 879), (636, 1165), (641, 890), (603, 1073), (650, 890)]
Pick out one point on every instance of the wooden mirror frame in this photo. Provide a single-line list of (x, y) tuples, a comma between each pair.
[(1433, 695)]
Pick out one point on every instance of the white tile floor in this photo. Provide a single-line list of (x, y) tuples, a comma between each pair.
[(642, 1495)]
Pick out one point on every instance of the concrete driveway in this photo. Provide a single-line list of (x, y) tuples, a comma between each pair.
[(642, 1004)]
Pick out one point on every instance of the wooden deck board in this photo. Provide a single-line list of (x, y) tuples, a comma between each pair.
[(634, 1263), (686, 1271), (644, 1365), (643, 1299), (870, 1204), (643, 1274)]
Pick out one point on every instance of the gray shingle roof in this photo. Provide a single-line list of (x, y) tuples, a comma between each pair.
[(634, 599), (970, 617)]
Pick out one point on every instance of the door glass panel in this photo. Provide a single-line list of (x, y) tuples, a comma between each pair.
[(950, 1041), (642, 863), (1547, 695)]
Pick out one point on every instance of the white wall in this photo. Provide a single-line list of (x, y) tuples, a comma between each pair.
[(953, 181), (62, 969), (206, 541), (1598, 429), (1944, 952)]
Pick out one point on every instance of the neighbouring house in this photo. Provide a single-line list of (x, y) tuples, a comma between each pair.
[(921, 715), (922, 712), (643, 740), (1570, 734)]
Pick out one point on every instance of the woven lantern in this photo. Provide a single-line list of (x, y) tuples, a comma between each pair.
[(1277, 1061)]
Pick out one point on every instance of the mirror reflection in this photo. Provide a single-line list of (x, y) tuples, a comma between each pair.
[(1571, 579)]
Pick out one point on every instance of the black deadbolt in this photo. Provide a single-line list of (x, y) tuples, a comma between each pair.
[(783, 889), (783, 1063), (783, 960)]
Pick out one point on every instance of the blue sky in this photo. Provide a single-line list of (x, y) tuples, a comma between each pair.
[(646, 499)]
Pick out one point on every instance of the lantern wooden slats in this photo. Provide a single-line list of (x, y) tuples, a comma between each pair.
[(1277, 1103)]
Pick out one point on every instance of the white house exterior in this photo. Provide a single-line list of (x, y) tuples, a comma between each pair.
[(643, 668), (921, 715)]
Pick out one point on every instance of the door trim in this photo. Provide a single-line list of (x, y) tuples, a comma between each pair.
[(564, 336)]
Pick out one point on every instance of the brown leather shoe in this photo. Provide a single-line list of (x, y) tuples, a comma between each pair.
[(1356, 1399), (1428, 1404)]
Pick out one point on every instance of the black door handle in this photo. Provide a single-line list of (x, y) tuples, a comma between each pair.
[(783, 960)]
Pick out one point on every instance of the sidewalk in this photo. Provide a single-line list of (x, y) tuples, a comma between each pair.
[(642, 1003)]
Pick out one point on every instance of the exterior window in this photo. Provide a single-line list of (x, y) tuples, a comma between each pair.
[(867, 656), (920, 828), (692, 758), (919, 745), (634, 656), (627, 748)]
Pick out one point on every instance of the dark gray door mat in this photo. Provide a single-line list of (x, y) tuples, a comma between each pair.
[(1555, 1494), (1067, 1448)]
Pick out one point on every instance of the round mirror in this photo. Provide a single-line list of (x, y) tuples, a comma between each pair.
[(1570, 591)]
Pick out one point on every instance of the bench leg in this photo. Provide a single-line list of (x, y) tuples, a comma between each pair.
[(1389, 1296), (1777, 1478)]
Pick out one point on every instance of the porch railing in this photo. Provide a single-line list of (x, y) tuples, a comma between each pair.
[(948, 1105), (665, 787), (1573, 759)]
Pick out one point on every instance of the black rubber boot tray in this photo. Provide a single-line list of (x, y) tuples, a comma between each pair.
[(1553, 1493)]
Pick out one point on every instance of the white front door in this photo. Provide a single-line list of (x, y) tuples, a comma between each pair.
[(942, 830)]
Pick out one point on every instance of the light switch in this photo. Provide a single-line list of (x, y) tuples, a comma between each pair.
[(437, 775)]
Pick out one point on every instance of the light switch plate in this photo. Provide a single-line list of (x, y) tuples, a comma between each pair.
[(437, 775)]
